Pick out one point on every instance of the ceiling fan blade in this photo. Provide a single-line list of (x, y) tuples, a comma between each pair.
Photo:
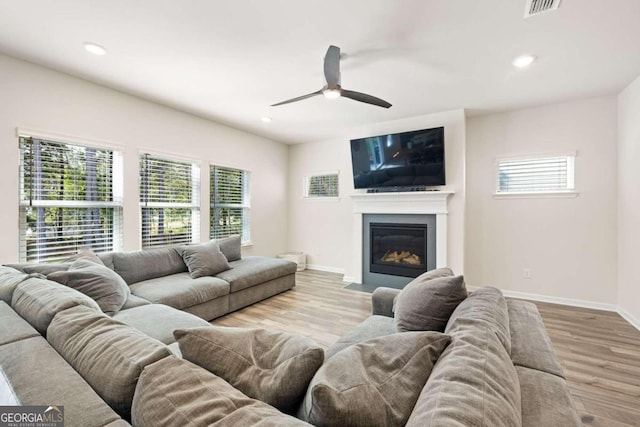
[(363, 97), (332, 66), (300, 98)]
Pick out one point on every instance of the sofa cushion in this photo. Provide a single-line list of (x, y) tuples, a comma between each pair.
[(134, 301), (43, 268), (372, 383), (253, 270), (180, 290), (204, 260), (13, 327), (273, 367), (40, 376), (426, 304), (175, 392), (373, 327), (39, 300), (96, 281), (530, 344), (486, 305), (159, 321), (473, 383), (9, 280), (546, 400), (231, 247), (137, 266), (108, 354)]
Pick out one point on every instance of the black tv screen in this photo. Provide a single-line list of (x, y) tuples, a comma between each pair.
[(408, 159)]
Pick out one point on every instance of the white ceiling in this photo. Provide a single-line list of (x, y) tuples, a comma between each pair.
[(228, 60)]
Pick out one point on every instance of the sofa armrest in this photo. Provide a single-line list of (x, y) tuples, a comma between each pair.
[(382, 301)]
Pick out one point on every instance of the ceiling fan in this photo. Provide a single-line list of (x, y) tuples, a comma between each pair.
[(333, 89)]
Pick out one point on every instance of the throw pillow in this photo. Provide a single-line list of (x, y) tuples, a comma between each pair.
[(231, 247), (174, 392), (100, 283), (273, 367), (431, 274), (85, 253), (426, 305), (204, 260), (373, 383)]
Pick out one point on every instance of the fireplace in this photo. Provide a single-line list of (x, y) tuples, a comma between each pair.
[(398, 249)]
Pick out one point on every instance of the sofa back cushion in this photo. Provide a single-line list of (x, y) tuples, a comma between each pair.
[(43, 268), (38, 375), (473, 383), (175, 392), (426, 303), (488, 306), (9, 280), (373, 383), (39, 300), (108, 354), (231, 247), (137, 266), (98, 282)]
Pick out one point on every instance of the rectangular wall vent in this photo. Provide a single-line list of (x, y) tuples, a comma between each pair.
[(536, 7)]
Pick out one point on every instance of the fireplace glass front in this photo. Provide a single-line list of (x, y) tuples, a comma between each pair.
[(398, 249)]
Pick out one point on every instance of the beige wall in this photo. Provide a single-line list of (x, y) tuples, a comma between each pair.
[(569, 244), (629, 201), (324, 229), (38, 98)]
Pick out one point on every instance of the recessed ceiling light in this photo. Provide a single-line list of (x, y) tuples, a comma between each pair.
[(266, 119), (96, 49), (523, 61)]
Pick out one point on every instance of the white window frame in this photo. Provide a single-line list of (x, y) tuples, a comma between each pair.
[(567, 192), (245, 236), (307, 182), (116, 203), (193, 205)]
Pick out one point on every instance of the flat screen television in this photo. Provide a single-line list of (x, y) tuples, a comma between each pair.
[(402, 160)]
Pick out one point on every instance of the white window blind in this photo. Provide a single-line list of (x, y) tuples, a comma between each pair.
[(70, 197), (321, 185), (543, 174), (230, 203), (170, 201)]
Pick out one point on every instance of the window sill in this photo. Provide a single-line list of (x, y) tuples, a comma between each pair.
[(321, 199), (246, 244), (537, 195)]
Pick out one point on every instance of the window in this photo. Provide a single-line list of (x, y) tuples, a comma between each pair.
[(229, 203), (322, 185), (169, 200), (536, 174), (70, 197)]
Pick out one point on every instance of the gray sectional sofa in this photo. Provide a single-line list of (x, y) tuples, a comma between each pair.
[(495, 365)]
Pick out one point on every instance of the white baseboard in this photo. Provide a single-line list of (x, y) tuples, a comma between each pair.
[(635, 322), (323, 268), (556, 300), (348, 279)]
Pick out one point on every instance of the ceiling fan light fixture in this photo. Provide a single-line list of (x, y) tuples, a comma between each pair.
[(331, 93), (95, 49), (266, 119), (523, 61)]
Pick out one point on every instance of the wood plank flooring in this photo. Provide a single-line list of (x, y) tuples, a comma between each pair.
[(599, 350)]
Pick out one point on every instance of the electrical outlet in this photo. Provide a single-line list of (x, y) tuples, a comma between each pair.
[(526, 273)]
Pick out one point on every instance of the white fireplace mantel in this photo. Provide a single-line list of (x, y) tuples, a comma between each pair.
[(415, 202)]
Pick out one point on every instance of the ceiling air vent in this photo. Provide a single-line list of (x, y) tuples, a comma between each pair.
[(536, 7)]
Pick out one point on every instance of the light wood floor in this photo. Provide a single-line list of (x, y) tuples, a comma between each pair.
[(599, 350)]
